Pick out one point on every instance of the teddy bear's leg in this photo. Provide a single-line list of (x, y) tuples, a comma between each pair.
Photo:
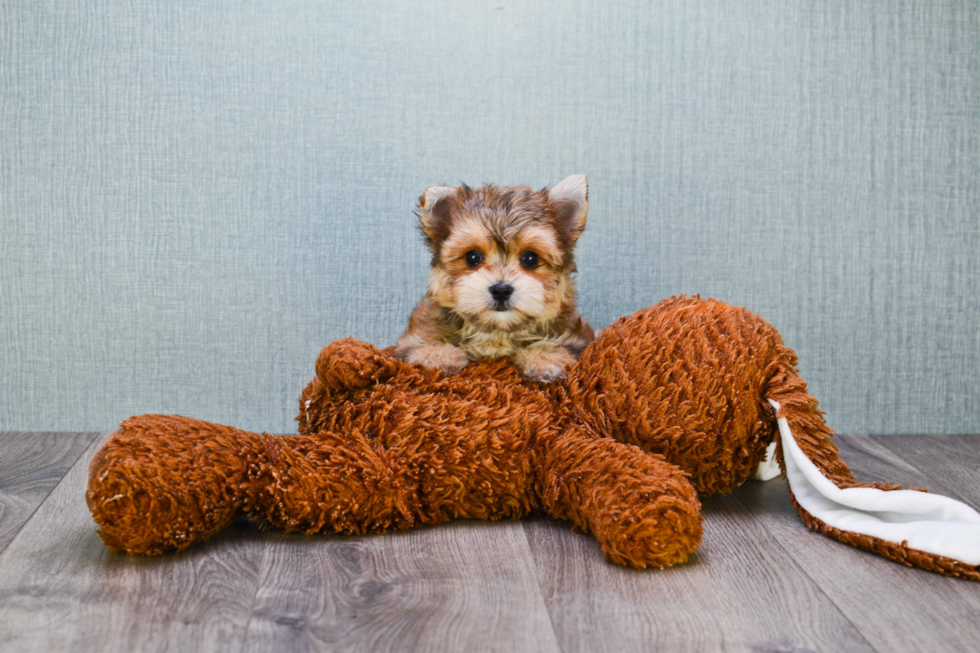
[(333, 482), (641, 508), (354, 482), (164, 482)]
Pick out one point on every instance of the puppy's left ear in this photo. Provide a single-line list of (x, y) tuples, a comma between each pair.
[(571, 197)]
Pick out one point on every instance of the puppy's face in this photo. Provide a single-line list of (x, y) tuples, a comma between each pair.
[(502, 257)]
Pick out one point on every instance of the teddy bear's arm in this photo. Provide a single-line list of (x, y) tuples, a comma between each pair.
[(350, 364), (641, 508)]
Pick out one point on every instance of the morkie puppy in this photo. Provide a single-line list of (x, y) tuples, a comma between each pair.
[(501, 280)]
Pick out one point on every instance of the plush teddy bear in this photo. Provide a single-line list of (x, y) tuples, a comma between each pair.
[(674, 402)]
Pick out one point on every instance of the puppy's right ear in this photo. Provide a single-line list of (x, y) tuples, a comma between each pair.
[(434, 207)]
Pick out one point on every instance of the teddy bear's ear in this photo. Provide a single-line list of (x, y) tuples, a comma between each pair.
[(434, 208), (571, 197)]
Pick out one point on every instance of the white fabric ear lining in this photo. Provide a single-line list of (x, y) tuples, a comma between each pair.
[(923, 521), (768, 469)]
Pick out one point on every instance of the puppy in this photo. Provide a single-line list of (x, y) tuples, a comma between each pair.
[(501, 279)]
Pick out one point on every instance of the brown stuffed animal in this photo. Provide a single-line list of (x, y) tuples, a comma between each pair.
[(675, 401)]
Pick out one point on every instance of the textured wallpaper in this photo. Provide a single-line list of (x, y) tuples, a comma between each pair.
[(195, 197)]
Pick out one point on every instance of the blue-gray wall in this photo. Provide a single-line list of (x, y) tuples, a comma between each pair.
[(196, 196)]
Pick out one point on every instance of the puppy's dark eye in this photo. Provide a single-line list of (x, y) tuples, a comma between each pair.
[(474, 258), (529, 260)]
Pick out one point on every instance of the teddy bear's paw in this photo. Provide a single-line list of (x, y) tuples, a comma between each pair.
[(547, 364), (443, 357), (350, 363)]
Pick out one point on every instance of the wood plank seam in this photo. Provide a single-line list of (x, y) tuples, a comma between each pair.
[(941, 485), (255, 596), (537, 581), (772, 536), (97, 438)]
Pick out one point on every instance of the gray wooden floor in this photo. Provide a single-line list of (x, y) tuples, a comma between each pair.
[(760, 581)]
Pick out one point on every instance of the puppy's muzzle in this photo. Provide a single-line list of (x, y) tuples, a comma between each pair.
[(501, 292)]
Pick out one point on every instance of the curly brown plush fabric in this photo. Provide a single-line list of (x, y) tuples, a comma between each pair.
[(667, 404)]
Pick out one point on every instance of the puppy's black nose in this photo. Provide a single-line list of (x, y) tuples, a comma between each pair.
[(501, 291)]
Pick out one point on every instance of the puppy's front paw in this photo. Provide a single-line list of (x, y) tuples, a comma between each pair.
[(546, 364), (445, 358)]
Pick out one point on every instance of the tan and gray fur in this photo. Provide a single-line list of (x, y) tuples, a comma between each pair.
[(501, 279)]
